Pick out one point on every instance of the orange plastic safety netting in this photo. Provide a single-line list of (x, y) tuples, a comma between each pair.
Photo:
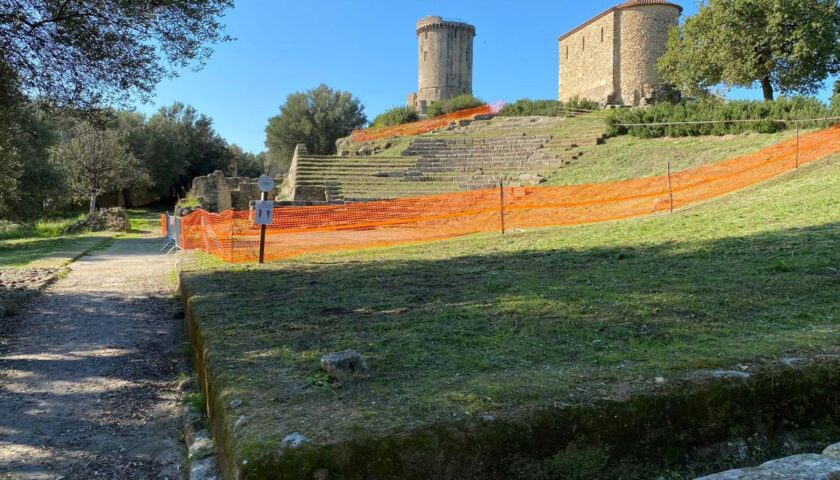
[(423, 126), (233, 237)]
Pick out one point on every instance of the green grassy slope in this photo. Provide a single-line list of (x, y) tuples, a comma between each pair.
[(626, 157), (500, 325)]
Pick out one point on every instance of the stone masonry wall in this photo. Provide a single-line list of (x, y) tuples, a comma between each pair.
[(643, 39), (588, 62), (445, 60), (612, 58)]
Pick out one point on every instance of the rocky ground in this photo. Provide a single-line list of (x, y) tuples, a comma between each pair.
[(88, 370), (19, 285)]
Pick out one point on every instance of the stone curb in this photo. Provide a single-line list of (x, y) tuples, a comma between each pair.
[(200, 458)]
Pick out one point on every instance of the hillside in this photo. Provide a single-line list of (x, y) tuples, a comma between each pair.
[(501, 327), (514, 150)]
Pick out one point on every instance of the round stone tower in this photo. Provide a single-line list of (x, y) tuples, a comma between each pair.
[(644, 28), (445, 61)]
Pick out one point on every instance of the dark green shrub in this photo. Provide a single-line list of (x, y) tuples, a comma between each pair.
[(835, 99), (396, 116), (770, 117), (461, 102), (546, 108)]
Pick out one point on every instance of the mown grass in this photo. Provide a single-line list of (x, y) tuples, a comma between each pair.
[(626, 157), (21, 246), (504, 325)]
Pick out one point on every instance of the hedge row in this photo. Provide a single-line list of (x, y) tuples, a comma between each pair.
[(546, 108), (763, 116)]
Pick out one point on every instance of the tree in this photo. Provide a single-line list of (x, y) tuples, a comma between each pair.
[(178, 144), (316, 118), (96, 161), (245, 164), (29, 184), (783, 45), (82, 54)]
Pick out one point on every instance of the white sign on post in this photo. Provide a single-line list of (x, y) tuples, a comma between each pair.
[(266, 183), (264, 212)]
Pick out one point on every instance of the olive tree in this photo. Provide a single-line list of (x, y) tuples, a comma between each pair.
[(96, 161)]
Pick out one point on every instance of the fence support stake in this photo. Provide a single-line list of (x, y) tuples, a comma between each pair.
[(670, 189), (502, 203), (797, 144), (263, 197)]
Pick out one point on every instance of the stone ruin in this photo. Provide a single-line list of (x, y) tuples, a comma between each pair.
[(217, 193)]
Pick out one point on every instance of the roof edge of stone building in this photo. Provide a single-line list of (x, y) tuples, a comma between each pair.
[(434, 21), (628, 4)]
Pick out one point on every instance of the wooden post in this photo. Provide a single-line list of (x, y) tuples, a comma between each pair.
[(502, 203), (263, 197), (670, 188), (797, 144)]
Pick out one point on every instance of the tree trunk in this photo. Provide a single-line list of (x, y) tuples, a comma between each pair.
[(92, 203), (767, 87)]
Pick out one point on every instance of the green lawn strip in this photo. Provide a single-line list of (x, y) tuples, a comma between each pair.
[(47, 247), (457, 329), (626, 157), (48, 252)]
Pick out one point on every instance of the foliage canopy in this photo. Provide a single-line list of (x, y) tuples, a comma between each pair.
[(316, 118), (785, 46), (83, 54), (396, 116)]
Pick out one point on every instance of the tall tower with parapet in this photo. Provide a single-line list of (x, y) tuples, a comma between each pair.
[(445, 61)]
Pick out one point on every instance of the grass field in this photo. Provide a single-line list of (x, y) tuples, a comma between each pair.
[(46, 245), (491, 325), (626, 157)]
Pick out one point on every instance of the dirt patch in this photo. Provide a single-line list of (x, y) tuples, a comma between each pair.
[(19, 285)]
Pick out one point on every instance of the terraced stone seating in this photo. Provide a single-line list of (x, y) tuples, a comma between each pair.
[(437, 163), (346, 179)]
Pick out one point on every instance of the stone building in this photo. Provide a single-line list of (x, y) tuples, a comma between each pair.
[(445, 61), (612, 58)]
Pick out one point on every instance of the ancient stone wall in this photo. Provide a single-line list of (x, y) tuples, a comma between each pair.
[(612, 58), (445, 59), (643, 40), (588, 61), (217, 193)]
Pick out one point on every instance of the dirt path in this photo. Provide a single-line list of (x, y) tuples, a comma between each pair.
[(88, 378)]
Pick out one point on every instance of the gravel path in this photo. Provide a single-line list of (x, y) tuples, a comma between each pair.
[(88, 376)]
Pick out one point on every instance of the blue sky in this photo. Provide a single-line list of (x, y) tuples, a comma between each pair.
[(369, 48)]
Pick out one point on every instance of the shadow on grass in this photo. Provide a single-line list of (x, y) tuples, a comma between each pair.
[(506, 332)]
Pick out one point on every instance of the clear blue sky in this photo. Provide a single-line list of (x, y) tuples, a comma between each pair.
[(369, 48)]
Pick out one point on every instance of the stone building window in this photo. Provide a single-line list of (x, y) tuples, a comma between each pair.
[(567, 52), (583, 43), (602, 34), (425, 56)]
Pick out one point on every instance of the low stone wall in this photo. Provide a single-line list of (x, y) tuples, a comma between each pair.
[(217, 193)]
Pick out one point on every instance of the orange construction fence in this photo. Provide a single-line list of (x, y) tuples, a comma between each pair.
[(423, 126), (233, 237)]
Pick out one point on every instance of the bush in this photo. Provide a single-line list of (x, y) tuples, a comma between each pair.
[(461, 102), (396, 116), (773, 116), (835, 99), (546, 108)]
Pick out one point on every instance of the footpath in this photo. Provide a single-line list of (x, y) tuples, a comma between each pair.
[(88, 377)]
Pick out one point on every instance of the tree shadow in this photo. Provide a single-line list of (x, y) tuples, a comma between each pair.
[(81, 383)]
